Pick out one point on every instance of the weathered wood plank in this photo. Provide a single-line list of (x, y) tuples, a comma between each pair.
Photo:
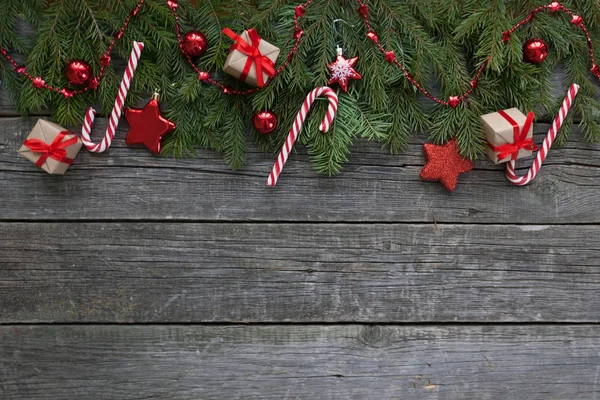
[(299, 362), (133, 272), (131, 184)]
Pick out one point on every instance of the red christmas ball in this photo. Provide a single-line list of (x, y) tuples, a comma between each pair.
[(78, 72), (265, 122), (195, 44), (535, 51)]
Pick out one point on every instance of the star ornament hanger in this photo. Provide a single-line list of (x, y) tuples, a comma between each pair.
[(342, 70)]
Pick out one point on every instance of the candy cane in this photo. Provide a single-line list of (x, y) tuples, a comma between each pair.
[(295, 131), (550, 137), (90, 115)]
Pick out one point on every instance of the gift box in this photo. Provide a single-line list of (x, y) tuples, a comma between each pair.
[(51, 147), (250, 59), (509, 134)]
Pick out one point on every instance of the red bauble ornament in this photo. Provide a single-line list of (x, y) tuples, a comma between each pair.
[(342, 71), (78, 72), (195, 44), (444, 164), (535, 51), (147, 126), (265, 122)]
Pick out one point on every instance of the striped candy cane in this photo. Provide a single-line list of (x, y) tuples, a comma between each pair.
[(90, 115), (550, 137), (295, 131)]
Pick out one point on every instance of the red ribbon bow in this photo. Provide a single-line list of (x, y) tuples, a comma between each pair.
[(520, 138), (262, 62), (56, 149)]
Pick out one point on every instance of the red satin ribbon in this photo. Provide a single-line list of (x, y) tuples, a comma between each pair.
[(520, 138), (262, 62), (56, 149)]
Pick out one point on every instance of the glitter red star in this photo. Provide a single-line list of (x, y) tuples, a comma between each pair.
[(444, 164), (147, 126), (342, 70)]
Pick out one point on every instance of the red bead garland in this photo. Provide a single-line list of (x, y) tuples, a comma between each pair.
[(93, 82), (454, 101), (363, 9)]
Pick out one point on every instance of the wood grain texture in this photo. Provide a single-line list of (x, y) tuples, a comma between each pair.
[(130, 184), (235, 272), (299, 362)]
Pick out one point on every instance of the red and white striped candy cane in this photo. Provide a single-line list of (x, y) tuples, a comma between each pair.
[(548, 140), (90, 115), (299, 122)]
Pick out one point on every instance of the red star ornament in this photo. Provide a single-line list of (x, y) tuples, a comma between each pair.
[(147, 126), (444, 164), (342, 70)]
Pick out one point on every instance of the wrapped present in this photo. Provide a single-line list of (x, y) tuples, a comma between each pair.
[(509, 134), (250, 59), (51, 147)]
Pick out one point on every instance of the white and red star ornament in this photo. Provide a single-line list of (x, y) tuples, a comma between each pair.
[(342, 70)]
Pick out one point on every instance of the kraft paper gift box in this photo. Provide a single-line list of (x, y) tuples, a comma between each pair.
[(237, 60), (499, 131), (49, 152)]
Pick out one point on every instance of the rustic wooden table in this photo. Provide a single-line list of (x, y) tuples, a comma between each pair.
[(138, 277)]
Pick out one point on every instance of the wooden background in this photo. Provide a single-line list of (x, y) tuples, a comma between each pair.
[(138, 277)]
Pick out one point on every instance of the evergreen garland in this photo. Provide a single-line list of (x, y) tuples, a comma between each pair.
[(441, 43)]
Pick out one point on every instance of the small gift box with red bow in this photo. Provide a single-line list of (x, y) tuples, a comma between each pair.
[(509, 134), (51, 147), (251, 59)]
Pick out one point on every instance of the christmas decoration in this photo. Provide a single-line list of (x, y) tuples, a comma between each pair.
[(509, 135), (265, 122), (250, 59), (195, 44), (444, 164), (78, 72), (535, 51), (342, 70), (297, 127), (51, 147), (532, 53), (204, 76), (382, 107), (147, 126), (115, 116), (548, 140)]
